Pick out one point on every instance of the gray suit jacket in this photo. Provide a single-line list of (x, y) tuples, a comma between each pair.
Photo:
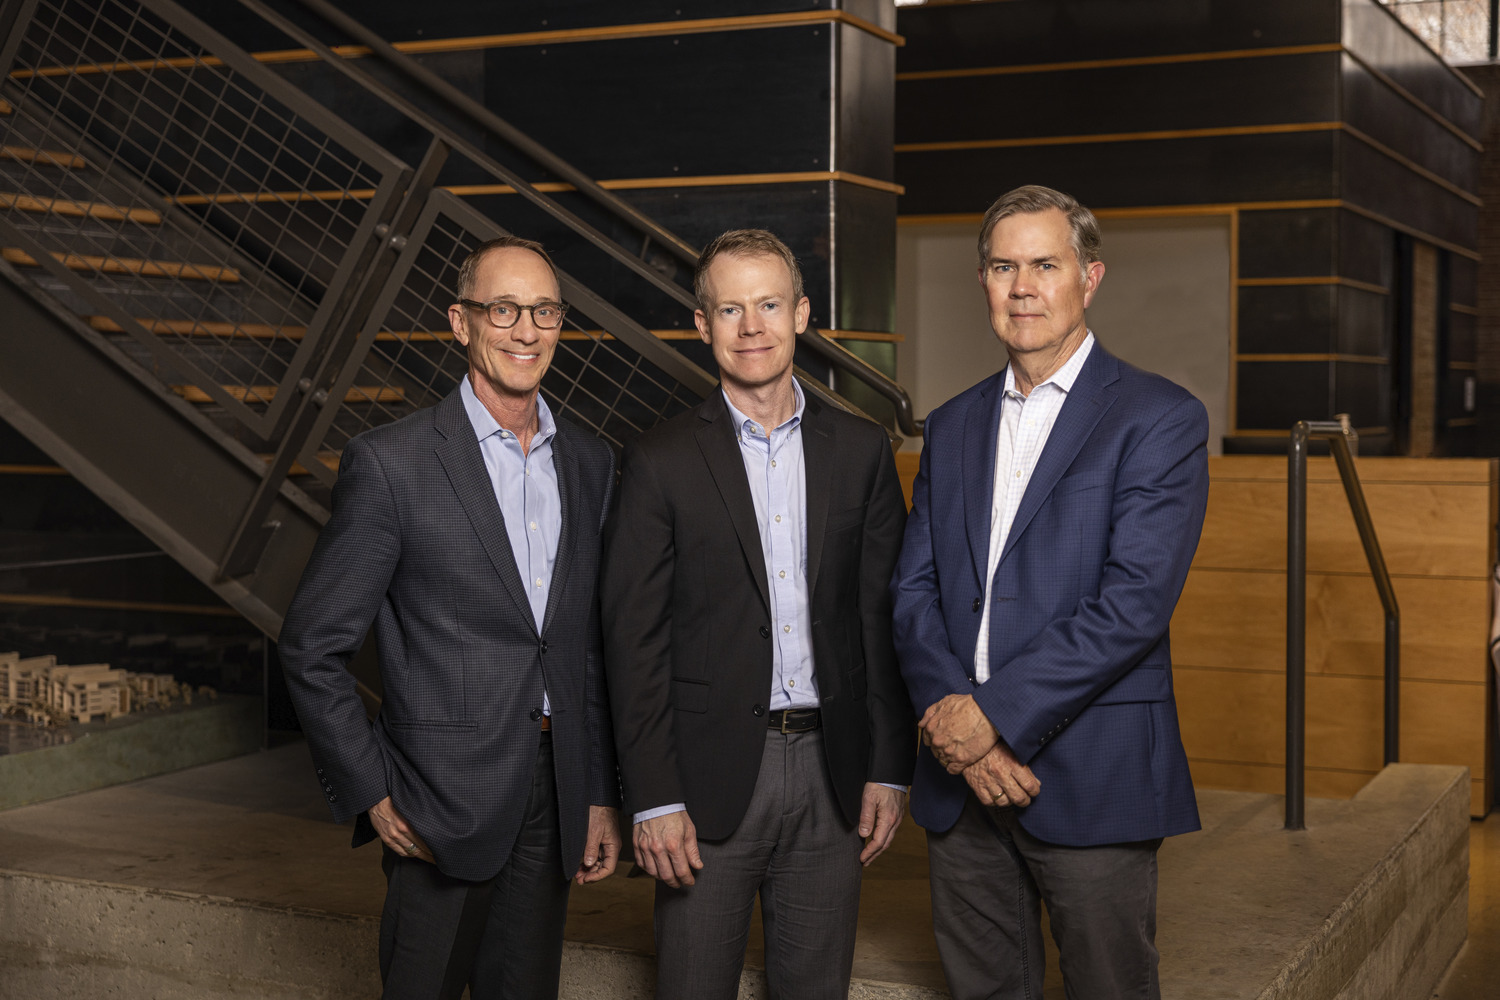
[(417, 545)]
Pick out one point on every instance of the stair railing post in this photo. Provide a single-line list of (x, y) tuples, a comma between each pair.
[(1296, 627)]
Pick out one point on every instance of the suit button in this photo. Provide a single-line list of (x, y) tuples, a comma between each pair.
[(320, 772), (536, 715), (759, 710), (765, 632), (333, 797), (978, 603), (544, 645), (971, 680)]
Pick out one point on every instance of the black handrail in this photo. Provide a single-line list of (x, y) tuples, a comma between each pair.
[(1344, 444), (835, 354)]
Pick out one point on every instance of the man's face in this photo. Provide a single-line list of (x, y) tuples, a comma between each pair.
[(511, 362), (753, 320), (1034, 285)]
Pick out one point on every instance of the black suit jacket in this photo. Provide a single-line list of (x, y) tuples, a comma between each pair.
[(417, 545), (688, 625)]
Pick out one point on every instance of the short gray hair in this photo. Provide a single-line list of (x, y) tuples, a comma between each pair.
[(468, 273), (1035, 198)]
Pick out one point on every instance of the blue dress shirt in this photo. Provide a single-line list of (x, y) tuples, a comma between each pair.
[(525, 486)]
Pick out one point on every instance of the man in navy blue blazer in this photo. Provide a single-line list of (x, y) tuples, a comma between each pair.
[(1054, 516)]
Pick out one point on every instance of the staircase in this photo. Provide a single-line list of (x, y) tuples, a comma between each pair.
[(212, 282)]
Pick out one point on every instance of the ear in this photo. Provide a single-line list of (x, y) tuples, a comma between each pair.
[(1092, 277), (457, 321), (803, 311), (700, 320)]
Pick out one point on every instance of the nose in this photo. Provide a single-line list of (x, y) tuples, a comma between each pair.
[(1020, 286), (525, 331)]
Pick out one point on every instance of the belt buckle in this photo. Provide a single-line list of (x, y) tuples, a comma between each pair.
[(785, 714)]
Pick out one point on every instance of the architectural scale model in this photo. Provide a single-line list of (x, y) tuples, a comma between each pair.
[(40, 691)]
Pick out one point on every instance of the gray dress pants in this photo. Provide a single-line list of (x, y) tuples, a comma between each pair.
[(796, 852), (989, 879)]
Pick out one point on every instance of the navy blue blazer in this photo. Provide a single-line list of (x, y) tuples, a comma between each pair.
[(1081, 678), (417, 545)]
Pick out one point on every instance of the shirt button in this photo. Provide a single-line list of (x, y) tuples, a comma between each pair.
[(782, 574), (786, 628), (778, 518), (533, 525), (538, 581), (1018, 473), (773, 463), (791, 684)]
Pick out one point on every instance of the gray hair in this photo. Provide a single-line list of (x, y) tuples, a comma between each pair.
[(468, 273), (1035, 198)]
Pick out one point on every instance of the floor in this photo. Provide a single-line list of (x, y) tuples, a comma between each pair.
[(1475, 974)]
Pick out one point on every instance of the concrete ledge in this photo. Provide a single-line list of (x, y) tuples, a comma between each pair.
[(133, 747), (227, 881)]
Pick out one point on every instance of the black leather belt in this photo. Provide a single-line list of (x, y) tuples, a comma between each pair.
[(794, 720)]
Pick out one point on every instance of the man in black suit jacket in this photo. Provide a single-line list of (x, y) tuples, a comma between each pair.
[(762, 725), (469, 534)]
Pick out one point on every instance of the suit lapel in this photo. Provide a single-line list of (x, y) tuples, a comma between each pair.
[(981, 430), (721, 451), (565, 462), (819, 451), (1091, 396), (459, 454)]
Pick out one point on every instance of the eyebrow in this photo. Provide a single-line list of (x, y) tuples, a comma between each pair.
[(1044, 259)]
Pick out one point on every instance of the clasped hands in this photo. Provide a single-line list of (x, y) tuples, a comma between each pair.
[(963, 741)]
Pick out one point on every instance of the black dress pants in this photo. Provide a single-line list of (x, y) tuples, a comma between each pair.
[(501, 937)]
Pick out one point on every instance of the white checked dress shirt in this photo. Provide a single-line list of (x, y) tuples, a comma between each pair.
[(1025, 424)]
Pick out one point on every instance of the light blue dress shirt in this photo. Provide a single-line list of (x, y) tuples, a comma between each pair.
[(525, 485)]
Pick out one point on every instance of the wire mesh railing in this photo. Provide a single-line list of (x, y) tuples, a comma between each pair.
[(248, 248)]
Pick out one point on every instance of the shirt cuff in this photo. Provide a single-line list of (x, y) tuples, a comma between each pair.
[(906, 789), (645, 814)]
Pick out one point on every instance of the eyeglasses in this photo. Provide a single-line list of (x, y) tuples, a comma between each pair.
[(504, 313)]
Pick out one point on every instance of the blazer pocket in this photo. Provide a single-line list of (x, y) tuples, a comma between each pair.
[(847, 518), (689, 696), (414, 725)]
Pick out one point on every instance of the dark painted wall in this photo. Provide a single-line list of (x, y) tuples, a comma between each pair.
[(1326, 127)]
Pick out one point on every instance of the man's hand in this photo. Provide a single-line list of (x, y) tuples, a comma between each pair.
[(998, 779), (880, 813), (396, 833), (601, 851), (957, 731), (667, 847)]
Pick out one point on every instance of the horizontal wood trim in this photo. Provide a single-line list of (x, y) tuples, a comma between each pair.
[(1466, 310), (1463, 366), (867, 336), (33, 470), (1263, 432), (556, 187), (1418, 103), (5, 107), (128, 265), (79, 209), (1108, 137), (1084, 64), (53, 601), (1414, 167), (266, 393), (615, 32), (51, 158), (1353, 359), (1462, 422), (1139, 212), (1313, 279)]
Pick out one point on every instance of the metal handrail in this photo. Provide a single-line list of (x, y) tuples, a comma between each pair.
[(1344, 444), (838, 356)]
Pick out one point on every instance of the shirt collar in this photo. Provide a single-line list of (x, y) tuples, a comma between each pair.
[(485, 424), (740, 420), (1064, 377)]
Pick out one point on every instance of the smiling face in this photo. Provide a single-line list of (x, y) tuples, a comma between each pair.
[(507, 365), (1036, 288), (752, 320)]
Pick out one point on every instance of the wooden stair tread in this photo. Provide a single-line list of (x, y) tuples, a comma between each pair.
[(266, 393), (328, 459), (253, 331), (47, 157), (80, 209), (128, 265)]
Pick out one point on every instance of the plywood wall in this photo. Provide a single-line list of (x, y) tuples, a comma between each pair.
[(1435, 519)]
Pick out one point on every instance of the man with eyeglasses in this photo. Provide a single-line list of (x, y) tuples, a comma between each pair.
[(468, 533)]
